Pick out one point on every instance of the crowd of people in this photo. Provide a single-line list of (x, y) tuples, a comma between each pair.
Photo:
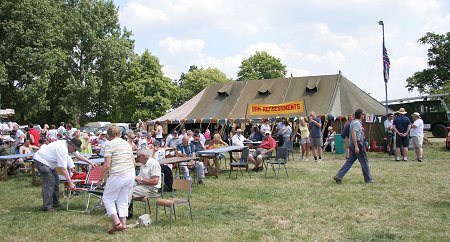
[(54, 148)]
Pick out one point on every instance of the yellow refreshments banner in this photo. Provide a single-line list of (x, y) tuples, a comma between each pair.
[(283, 108)]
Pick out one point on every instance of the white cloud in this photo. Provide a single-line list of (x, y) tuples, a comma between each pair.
[(137, 14), (323, 32), (438, 24), (177, 46)]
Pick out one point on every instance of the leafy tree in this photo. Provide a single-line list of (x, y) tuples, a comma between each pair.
[(195, 80), (61, 60), (147, 93), (261, 65), (95, 61), (436, 78), (29, 32)]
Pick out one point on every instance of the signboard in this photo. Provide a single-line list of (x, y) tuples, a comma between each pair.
[(283, 108), (370, 118)]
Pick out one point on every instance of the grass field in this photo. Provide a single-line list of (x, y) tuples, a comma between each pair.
[(409, 201)]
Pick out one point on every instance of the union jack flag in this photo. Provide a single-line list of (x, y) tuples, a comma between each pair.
[(386, 64)]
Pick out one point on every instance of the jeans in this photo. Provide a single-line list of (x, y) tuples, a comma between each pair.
[(50, 185), (362, 158)]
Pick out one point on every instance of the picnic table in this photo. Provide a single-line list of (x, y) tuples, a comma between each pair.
[(214, 154), (4, 159)]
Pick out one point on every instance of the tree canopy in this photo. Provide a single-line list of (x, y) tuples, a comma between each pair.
[(196, 80), (436, 77), (261, 65)]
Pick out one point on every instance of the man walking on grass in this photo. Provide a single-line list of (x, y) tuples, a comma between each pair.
[(357, 150)]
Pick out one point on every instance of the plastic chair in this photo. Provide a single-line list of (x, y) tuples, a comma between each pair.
[(280, 159), (179, 185), (242, 163)]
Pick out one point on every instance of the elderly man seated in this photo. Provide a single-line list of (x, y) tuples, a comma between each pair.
[(264, 151), (238, 139), (148, 182), (185, 149), (8, 149)]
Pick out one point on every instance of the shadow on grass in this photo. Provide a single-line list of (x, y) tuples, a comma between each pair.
[(87, 228), (440, 204), (374, 236)]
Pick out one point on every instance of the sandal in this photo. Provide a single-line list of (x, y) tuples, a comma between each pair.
[(117, 227)]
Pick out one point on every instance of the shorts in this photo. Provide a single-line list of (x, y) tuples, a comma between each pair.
[(401, 141), (417, 141), (316, 142), (347, 143), (390, 138), (305, 140), (259, 151)]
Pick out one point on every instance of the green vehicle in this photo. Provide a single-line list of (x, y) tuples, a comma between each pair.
[(433, 110)]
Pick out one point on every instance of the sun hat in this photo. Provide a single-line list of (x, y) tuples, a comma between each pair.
[(416, 114), (76, 142), (402, 111)]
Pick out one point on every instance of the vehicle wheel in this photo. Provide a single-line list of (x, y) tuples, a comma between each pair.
[(439, 131)]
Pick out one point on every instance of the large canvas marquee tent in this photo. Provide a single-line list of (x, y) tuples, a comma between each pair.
[(327, 95)]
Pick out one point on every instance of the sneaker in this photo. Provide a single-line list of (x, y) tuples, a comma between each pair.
[(319, 160), (419, 159), (260, 168), (200, 182), (306, 159), (371, 181), (405, 158), (337, 180), (397, 158), (255, 169), (303, 158)]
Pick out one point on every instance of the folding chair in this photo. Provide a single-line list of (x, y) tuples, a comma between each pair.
[(290, 146), (280, 159), (90, 188), (179, 185), (242, 163)]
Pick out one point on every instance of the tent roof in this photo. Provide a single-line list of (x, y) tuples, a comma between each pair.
[(325, 94)]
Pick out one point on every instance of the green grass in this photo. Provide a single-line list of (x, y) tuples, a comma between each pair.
[(409, 201)]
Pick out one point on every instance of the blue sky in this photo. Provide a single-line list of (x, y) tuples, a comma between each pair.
[(315, 37)]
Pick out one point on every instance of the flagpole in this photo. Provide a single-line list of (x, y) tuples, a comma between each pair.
[(385, 81)]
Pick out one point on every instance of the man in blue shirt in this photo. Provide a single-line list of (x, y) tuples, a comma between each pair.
[(185, 149), (401, 126), (315, 135)]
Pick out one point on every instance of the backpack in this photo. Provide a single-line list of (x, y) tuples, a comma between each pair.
[(346, 132)]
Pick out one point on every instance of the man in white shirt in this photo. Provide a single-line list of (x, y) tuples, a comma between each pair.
[(416, 135), (46, 160), (389, 129), (265, 126), (149, 179), (238, 139)]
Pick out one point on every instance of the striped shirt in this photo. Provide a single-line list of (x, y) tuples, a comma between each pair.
[(121, 157)]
